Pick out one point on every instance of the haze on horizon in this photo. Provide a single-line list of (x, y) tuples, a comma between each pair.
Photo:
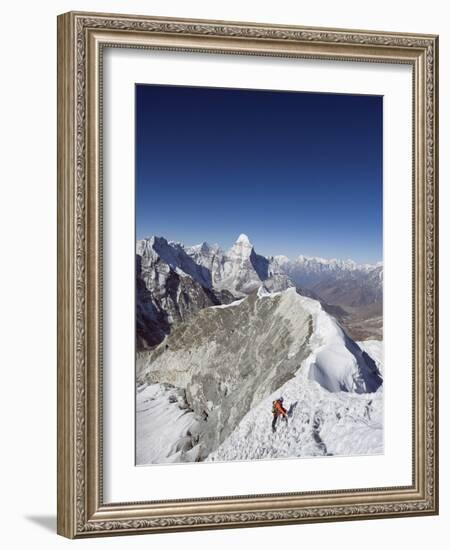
[(299, 173)]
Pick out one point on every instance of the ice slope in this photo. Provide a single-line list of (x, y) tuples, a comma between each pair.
[(320, 423), (165, 425), (232, 360), (337, 363)]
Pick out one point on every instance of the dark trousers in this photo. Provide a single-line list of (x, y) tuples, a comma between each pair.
[(274, 421)]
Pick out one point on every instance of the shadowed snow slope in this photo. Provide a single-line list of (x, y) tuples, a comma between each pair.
[(230, 361), (375, 349)]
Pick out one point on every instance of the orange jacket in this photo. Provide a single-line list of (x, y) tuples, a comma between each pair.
[(279, 409)]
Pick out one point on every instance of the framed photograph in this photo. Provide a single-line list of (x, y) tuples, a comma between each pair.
[(247, 274)]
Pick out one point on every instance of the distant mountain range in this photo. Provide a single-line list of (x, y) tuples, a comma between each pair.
[(175, 281), (339, 282)]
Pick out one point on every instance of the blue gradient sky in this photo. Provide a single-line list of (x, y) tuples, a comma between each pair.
[(299, 173)]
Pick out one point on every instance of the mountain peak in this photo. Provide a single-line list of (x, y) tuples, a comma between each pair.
[(241, 250), (243, 240)]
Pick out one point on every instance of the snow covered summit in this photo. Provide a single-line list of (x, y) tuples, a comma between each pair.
[(242, 248), (244, 240)]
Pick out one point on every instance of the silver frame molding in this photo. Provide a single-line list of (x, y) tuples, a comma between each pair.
[(81, 39)]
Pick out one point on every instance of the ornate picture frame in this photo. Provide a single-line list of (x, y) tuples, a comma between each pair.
[(82, 39)]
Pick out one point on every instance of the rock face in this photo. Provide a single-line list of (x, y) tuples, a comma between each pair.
[(231, 357), (240, 270), (152, 322), (170, 288)]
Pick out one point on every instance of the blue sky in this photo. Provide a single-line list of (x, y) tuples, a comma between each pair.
[(299, 173)]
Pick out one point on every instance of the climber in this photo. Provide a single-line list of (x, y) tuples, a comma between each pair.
[(278, 410)]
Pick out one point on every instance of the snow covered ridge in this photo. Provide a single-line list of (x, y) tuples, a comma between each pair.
[(221, 370), (315, 263)]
